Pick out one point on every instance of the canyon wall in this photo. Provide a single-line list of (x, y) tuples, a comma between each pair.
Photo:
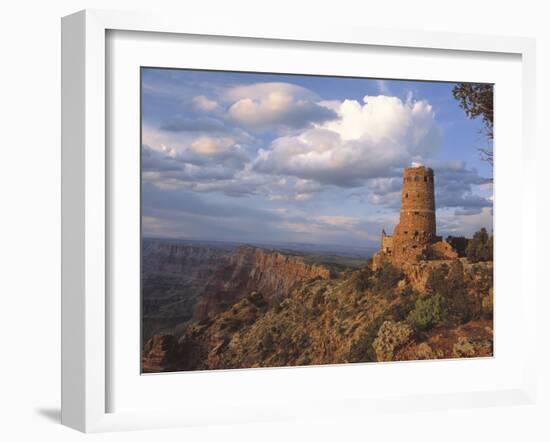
[(249, 269)]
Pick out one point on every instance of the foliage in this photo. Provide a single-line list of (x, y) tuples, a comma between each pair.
[(480, 247), (437, 279), (487, 305), (386, 279), (362, 279), (477, 101), (399, 310), (450, 283), (458, 243), (361, 349), (427, 312)]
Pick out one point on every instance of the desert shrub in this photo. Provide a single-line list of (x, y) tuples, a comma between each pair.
[(318, 297), (362, 279), (267, 342), (446, 280), (480, 247), (483, 280), (230, 324), (427, 312), (461, 307), (391, 336), (399, 310), (304, 359), (450, 283), (361, 349), (257, 299), (487, 305), (385, 279), (408, 291), (437, 279)]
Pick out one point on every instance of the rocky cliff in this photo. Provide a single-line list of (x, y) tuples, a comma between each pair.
[(357, 316), (250, 269)]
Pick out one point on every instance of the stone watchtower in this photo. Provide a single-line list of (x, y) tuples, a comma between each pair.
[(415, 236), (416, 228)]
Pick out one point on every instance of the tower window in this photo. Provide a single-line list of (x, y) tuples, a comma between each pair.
[(406, 195), (425, 179), (416, 178), (416, 213)]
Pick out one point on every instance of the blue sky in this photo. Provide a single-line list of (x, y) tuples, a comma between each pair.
[(288, 158)]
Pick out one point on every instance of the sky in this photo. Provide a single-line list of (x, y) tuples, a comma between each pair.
[(248, 157)]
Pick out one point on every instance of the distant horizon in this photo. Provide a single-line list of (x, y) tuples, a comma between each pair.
[(266, 242), (302, 159)]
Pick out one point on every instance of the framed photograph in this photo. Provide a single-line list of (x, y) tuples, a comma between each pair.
[(250, 213)]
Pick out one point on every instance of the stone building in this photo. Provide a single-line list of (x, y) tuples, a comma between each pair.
[(414, 238)]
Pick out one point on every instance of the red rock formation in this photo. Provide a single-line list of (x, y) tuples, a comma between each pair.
[(159, 353), (252, 269)]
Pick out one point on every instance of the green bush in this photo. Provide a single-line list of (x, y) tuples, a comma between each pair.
[(450, 283), (480, 247), (427, 312), (399, 310)]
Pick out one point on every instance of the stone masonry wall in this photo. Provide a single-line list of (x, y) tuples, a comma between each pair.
[(416, 228)]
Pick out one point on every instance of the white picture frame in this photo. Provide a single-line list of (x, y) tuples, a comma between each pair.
[(86, 206)]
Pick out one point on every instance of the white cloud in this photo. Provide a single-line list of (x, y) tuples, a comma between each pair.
[(465, 222), (375, 139), (204, 104), (265, 105), (212, 146), (347, 222)]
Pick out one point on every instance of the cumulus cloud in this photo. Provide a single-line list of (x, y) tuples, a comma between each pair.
[(385, 191), (157, 160), (265, 105), (170, 169), (211, 146), (204, 104), (369, 140)]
